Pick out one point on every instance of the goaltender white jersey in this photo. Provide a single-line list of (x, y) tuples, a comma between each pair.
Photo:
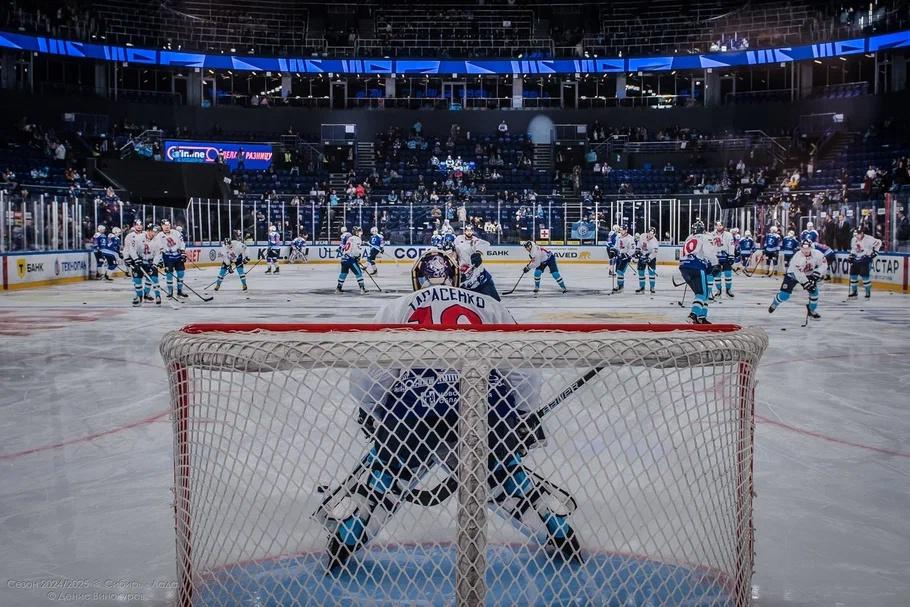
[(465, 247), (230, 253), (438, 305), (801, 266), (444, 305)]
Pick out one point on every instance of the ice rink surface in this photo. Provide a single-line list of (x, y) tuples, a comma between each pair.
[(86, 447)]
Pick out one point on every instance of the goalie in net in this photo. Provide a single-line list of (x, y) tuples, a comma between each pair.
[(410, 417)]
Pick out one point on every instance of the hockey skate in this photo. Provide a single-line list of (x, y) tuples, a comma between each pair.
[(108, 278), (641, 290), (148, 298), (157, 300), (854, 294), (730, 294), (244, 287), (137, 301), (564, 290), (811, 313), (269, 271), (217, 285), (180, 293), (338, 289), (277, 269), (363, 290), (653, 291), (350, 537)]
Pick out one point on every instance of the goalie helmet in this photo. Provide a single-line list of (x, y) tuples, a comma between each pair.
[(434, 268)]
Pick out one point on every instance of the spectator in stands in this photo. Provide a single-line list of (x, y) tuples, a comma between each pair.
[(503, 128), (590, 157), (60, 152), (669, 168)]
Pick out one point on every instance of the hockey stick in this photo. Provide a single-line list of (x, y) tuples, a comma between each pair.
[(373, 280), (205, 298), (682, 302), (149, 278), (512, 290)]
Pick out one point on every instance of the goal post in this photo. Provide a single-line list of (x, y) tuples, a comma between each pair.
[(636, 440)]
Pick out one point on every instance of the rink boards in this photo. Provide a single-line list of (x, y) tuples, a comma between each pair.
[(39, 269)]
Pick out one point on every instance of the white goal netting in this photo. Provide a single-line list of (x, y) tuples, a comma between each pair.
[(532, 465)]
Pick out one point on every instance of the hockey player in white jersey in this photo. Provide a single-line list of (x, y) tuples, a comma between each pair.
[(863, 249), (233, 259), (410, 416), (130, 241), (807, 267), (726, 250), (542, 259), (351, 250), (274, 250), (625, 249), (146, 259), (467, 244), (173, 253), (697, 261), (648, 246)]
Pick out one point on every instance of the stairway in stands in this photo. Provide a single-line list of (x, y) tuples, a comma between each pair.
[(365, 159)]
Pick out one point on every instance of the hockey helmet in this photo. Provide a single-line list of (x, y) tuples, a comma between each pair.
[(434, 268), (357, 230), (469, 230), (115, 231), (791, 233), (810, 226), (150, 227), (698, 227), (374, 230), (101, 229), (528, 245), (448, 242), (773, 229)]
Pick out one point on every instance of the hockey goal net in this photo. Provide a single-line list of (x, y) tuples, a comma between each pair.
[(506, 465)]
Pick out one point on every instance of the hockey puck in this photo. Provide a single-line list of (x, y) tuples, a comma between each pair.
[(783, 329)]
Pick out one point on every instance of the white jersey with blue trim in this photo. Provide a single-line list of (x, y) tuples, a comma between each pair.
[(171, 244), (231, 253), (298, 243), (698, 252), (802, 265), (538, 255), (465, 247), (648, 246), (131, 243), (625, 245), (149, 249), (863, 247), (723, 243), (274, 240), (447, 306), (352, 247)]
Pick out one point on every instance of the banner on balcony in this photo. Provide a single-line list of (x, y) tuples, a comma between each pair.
[(252, 156)]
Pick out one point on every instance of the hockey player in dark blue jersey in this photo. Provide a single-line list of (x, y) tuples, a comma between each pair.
[(375, 247), (110, 252), (810, 234), (788, 247), (745, 248), (436, 239), (829, 255), (612, 252), (771, 249), (99, 241)]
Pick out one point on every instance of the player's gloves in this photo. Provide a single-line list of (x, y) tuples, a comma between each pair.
[(715, 269), (809, 285), (160, 265), (816, 276), (611, 253), (382, 249), (476, 259), (874, 254), (851, 258), (183, 256), (624, 257)]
